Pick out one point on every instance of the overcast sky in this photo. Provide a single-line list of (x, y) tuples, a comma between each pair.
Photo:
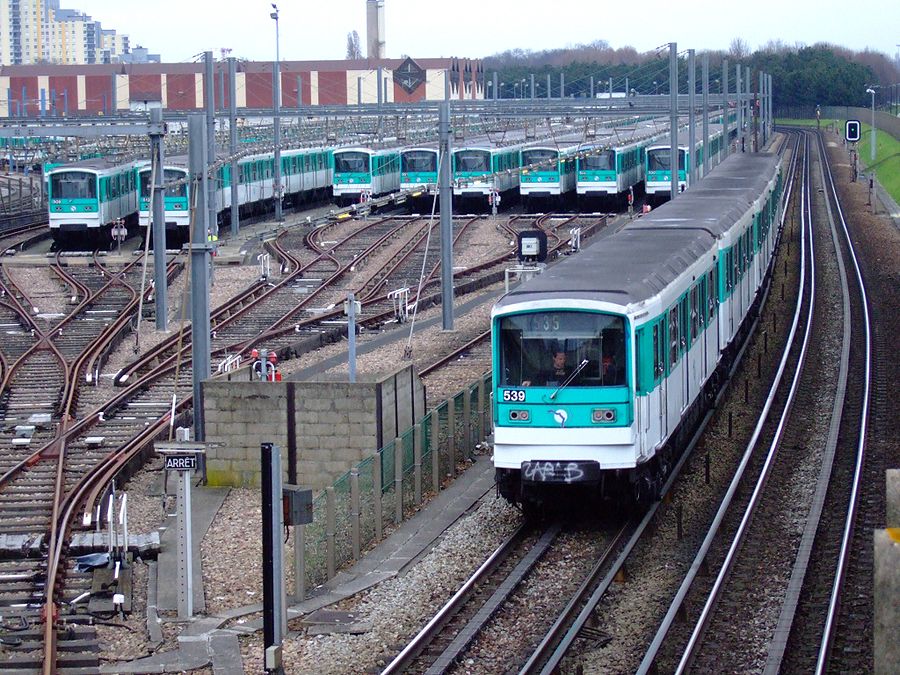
[(179, 29)]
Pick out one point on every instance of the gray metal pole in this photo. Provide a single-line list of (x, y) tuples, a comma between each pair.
[(548, 86), (562, 85), (496, 85), (210, 86), (739, 103), (748, 102), (673, 117), (359, 91), (627, 90), (276, 96), (725, 111), (706, 158), (299, 90), (200, 250), (157, 154), (532, 87), (221, 87), (610, 90), (278, 547), (759, 113), (872, 142), (446, 197), (692, 121), (351, 336), (592, 87), (113, 99), (233, 145), (185, 548)]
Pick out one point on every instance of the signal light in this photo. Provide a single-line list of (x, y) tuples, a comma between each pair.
[(852, 131)]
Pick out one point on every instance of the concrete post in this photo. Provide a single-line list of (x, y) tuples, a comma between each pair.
[(692, 120), (355, 512), (446, 204), (726, 143), (210, 87), (158, 158), (467, 423), (185, 547), (233, 145), (481, 413), (329, 531), (376, 496), (451, 435), (705, 105), (435, 451), (398, 480), (417, 464), (673, 117)]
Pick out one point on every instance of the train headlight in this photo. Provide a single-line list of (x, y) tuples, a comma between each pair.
[(519, 415), (603, 415)]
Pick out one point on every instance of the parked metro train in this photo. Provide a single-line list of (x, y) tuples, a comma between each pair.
[(604, 363), (90, 196), (659, 164), (360, 173)]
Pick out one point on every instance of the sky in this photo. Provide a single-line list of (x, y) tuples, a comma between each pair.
[(479, 28)]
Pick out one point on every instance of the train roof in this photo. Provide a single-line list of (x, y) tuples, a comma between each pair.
[(368, 151), (665, 142), (645, 256), (93, 164)]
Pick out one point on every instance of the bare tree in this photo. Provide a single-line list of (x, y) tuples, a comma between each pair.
[(353, 49), (738, 50)]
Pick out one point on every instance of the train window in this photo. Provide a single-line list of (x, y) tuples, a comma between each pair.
[(712, 293), (657, 356), (543, 156), (673, 336), (473, 160), (529, 342), (695, 313), (604, 161), (351, 162), (73, 185)]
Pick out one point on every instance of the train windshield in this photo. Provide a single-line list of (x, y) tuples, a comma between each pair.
[(170, 176), (473, 160), (73, 185), (542, 349), (418, 161), (351, 162), (543, 156), (605, 161), (659, 159)]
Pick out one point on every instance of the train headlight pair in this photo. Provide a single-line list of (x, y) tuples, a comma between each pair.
[(519, 415), (603, 415)]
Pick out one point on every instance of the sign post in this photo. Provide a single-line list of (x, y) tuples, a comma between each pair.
[(182, 458)]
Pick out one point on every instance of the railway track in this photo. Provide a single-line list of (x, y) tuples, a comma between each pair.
[(38, 469), (88, 440), (770, 525)]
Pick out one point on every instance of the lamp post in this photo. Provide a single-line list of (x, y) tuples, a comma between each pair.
[(276, 104), (870, 90)]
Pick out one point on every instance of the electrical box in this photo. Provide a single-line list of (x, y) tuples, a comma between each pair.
[(532, 246), (296, 503)]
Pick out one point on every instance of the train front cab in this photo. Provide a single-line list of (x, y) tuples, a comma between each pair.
[(556, 431)]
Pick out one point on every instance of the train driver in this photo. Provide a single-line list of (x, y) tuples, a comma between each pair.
[(554, 376)]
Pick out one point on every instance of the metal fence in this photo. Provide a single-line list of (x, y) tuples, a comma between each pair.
[(382, 490)]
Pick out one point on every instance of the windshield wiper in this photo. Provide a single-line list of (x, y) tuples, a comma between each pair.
[(569, 379)]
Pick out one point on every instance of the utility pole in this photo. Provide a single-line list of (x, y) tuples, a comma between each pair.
[(233, 145), (705, 113), (446, 197), (673, 117), (209, 81), (692, 122), (158, 162), (726, 141), (200, 250), (276, 104)]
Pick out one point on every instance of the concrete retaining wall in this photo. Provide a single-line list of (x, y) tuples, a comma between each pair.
[(322, 427)]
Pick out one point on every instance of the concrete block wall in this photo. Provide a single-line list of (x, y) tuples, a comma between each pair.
[(322, 427)]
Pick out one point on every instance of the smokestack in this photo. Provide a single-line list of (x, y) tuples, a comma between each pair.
[(375, 28)]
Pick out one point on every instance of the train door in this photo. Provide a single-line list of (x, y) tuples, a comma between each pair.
[(673, 385), (658, 395), (684, 335)]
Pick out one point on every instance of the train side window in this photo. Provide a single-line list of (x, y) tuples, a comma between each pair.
[(711, 293), (695, 314), (657, 360), (673, 336)]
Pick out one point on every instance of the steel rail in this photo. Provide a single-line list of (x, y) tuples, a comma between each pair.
[(647, 664), (772, 452), (846, 541)]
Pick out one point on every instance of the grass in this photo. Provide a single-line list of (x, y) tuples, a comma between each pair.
[(887, 151)]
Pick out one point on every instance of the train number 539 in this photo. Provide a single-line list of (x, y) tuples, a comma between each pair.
[(514, 395)]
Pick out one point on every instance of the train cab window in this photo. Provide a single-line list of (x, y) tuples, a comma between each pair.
[(545, 349), (73, 185), (544, 157), (418, 161), (351, 162), (472, 161), (604, 161)]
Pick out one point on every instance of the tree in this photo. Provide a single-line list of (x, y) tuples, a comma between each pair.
[(353, 49), (739, 50)]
